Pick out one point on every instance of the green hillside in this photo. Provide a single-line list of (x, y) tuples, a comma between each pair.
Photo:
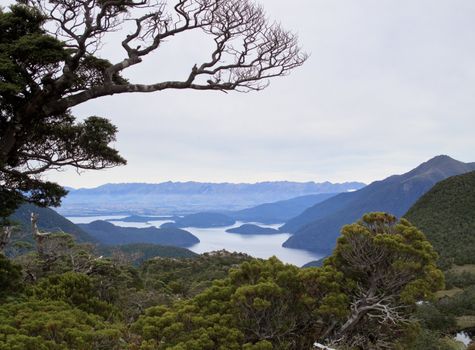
[(137, 253), (318, 227), (446, 214), (110, 234), (48, 220)]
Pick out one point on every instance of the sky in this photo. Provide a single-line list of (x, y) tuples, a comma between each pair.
[(389, 84)]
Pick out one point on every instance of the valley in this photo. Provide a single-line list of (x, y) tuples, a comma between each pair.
[(237, 175), (216, 238), (294, 236)]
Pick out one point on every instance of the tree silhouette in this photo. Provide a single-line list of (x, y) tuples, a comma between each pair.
[(49, 62)]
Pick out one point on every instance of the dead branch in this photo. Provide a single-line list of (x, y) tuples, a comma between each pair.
[(249, 50)]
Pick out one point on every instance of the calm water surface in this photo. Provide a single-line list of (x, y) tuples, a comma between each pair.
[(260, 246)]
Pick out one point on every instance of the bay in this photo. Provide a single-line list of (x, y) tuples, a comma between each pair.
[(212, 239)]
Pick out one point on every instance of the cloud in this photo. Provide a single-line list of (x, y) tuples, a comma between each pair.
[(388, 85)]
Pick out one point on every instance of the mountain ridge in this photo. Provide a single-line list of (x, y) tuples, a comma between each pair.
[(221, 184), (317, 228), (280, 211), (188, 197)]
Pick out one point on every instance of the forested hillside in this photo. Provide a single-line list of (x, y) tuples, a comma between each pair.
[(110, 234), (318, 227), (64, 296), (390, 82), (446, 214), (137, 253), (48, 220)]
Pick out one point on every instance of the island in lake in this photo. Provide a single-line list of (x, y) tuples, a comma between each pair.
[(250, 229), (109, 234)]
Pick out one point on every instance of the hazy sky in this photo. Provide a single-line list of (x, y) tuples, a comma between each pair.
[(389, 84)]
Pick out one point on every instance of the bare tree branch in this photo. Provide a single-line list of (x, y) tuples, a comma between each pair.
[(38, 132), (249, 49)]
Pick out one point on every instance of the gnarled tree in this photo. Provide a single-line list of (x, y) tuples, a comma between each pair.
[(388, 265), (49, 62)]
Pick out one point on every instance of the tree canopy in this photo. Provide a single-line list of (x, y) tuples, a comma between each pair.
[(50, 61), (388, 265), (363, 297), (445, 214)]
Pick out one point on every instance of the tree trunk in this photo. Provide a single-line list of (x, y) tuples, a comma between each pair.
[(5, 234)]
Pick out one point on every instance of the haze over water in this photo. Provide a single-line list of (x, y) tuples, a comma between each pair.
[(211, 239)]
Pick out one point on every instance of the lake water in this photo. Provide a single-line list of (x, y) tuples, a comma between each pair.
[(259, 246), (463, 337)]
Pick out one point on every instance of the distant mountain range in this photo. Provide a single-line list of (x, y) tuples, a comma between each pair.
[(170, 198), (318, 227), (446, 214), (317, 218)]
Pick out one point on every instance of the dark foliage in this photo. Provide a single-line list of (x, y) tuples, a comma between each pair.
[(71, 298), (188, 277), (446, 215), (137, 253), (10, 277), (32, 140)]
